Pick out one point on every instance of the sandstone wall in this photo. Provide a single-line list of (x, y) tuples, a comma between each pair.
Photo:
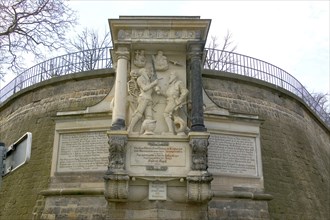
[(295, 146), (33, 110)]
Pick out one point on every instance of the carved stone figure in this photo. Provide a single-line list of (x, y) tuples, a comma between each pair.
[(133, 90), (139, 60), (176, 94), (161, 63), (145, 102)]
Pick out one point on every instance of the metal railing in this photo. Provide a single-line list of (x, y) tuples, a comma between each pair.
[(81, 61), (215, 60), (248, 66)]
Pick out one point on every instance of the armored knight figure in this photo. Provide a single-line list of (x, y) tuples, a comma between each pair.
[(145, 102), (176, 94)]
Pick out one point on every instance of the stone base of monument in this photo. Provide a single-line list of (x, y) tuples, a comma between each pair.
[(161, 183), (158, 177)]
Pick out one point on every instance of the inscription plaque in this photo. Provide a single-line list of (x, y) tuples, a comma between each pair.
[(85, 151), (229, 154), (157, 191), (146, 155)]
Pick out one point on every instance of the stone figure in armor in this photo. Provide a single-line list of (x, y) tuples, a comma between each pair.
[(139, 60), (145, 103), (161, 63), (176, 94)]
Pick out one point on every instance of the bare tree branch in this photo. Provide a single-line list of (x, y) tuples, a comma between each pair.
[(90, 43), (31, 27), (223, 59), (322, 100)]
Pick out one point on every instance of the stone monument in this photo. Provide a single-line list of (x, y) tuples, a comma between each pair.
[(158, 141), (144, 152)]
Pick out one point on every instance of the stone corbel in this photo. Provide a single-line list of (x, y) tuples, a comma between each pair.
[(116, 187), (199, 187)]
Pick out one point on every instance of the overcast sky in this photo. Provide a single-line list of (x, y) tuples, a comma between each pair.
[(293, 35)]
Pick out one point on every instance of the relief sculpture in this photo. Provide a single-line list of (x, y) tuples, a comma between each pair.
[(175, 94), (146, 91), (133, 90), (161, 63), (139, 60), (145, 102)]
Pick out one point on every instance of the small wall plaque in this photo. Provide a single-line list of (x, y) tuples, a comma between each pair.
[(157, 191)]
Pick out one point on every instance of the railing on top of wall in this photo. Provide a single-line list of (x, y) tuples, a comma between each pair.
[(81, 61), (251, 67), (215, 60)]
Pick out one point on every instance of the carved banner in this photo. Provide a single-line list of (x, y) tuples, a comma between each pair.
[(229, 154), (85, 151)]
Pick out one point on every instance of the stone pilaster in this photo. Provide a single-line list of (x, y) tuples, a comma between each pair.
[(195, 52), (119, 109), (117, 152), (199, 179), (116, 178), (199, 153)]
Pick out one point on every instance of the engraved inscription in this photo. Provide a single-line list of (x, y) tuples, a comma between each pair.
[(86, 151), (158, 155), (159, 34), (232, 155), (157, 191)]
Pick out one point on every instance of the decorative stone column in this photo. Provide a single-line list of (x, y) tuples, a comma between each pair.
[(195, 52), (119, 109)]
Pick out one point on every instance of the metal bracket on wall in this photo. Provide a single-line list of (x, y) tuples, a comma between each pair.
[(2, 159), (15, 155)]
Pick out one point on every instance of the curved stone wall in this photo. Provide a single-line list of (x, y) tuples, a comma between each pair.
[(295, 145), (33, 110)]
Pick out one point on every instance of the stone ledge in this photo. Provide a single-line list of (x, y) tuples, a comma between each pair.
[(72, 191), (243, 195), (99, 191)]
